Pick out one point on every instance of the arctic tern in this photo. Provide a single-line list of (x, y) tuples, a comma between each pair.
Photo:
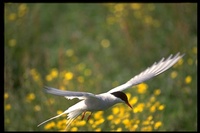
[(98, 102)]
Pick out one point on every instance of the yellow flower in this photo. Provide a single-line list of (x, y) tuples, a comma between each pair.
[(49, 125), (126, 121), (12, 42), (37, 108), (110, 117), (117, 121), (174, 74), (152, 99), (22, 10), (119, 129), (142, 88), (188, 79), (74, 129), (61, 124), (133, 100), (105, 43), (98, 130), (35, 75), (54, 73), (80, 79), (179, 63), (115, 110), (135, 6), (150, 117), (80, 123), (146, 122), (69, 75), (91, 121), (139, 108), (49, 78), (119, 7), (153, 108), (128, 95), (6, 95), (146, 128), (98, 115), (157, 92), (161, 107), (98, 122), (157, 125), (70, 52), (12, 16), (30, 97), (194, 50), (7, 107)]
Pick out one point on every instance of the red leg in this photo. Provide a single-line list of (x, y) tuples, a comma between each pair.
[(89, 116), (83, 115)]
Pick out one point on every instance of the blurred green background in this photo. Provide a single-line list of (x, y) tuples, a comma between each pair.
[(97, 47)]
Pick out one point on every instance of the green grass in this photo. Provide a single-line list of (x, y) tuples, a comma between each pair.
[(100, 46)]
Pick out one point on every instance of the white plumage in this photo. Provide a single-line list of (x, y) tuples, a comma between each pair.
[(91, 102)]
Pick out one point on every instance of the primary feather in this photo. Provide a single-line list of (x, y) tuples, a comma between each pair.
[(154, 70)]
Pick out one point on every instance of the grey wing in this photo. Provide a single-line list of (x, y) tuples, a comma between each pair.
[(69, 94), (154, 70)]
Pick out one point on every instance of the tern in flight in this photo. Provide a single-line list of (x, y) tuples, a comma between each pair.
[(99, 102)]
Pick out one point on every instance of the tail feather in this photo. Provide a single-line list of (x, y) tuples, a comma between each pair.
[(52, 118), (72, 115)]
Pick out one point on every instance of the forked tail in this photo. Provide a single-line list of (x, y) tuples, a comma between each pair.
[(70, 116)]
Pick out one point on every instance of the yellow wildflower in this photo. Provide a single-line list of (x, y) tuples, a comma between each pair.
[(133, 100), (161, 107), (69, 75), (6, 95), (119, 129), (110, 117), (105, 43), (49, 125), (157, 125), (153, 108), (157, 92), (12, 16), (115, 110), (54, 73), (12, 42), (135, 6), (70, 52), (37, 108), (98, 130), (142, 88), (74, 129), (98, 115), (174, 74), (80, 79), (30, 97), (188, 79), (7, 107)]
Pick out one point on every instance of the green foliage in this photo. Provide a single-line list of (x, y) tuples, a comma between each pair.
[(93, 48)]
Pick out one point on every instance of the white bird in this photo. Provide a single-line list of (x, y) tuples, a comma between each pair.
[(92, 102)]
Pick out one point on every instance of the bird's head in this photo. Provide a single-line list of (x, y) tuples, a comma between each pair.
[(121, 96)]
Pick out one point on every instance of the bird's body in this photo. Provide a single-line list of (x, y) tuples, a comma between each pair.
[(91, 102)]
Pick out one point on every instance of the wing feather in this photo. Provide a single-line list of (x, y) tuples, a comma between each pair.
[(69, 94), (150, 72)]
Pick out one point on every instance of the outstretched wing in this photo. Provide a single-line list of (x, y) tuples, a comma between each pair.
[(69, 94), (150, 72)]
